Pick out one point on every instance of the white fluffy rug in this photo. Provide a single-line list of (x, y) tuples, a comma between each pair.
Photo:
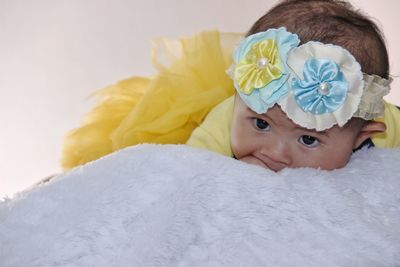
[(172, 205)]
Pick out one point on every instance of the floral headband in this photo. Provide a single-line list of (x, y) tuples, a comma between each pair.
[(317, 85)]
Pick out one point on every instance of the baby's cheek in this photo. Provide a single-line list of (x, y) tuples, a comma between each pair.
[(237, 145), (241, 147), (334, 161), (234, 149)]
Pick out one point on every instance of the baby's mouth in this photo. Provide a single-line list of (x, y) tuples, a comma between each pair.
[(255, 160), (268, 163)]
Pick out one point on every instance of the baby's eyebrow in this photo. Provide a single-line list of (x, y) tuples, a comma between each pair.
[(325, 133), (297, 127), (263, 115), (312, 132)]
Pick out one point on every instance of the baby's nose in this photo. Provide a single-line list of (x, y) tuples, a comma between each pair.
[(279, 153)]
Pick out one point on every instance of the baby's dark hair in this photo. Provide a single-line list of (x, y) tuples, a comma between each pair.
[(334, 22)]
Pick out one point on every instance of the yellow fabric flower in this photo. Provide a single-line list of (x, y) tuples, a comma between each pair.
[(260, 66)]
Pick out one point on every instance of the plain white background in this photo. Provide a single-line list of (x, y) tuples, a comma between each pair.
[(55, 53)]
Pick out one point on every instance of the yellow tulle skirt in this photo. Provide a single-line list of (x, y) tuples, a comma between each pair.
[(164, 109)]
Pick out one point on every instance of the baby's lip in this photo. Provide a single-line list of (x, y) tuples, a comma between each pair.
[(269, 163), (261, 163)]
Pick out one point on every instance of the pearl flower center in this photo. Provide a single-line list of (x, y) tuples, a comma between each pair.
[(262, 63), (323, 88)]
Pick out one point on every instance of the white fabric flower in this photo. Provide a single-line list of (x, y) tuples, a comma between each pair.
[(351, 71)]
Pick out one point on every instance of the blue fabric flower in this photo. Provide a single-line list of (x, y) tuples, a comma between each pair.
[(261, 98), (323, 88)]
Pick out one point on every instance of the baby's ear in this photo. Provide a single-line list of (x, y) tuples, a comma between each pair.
[(368, 129)]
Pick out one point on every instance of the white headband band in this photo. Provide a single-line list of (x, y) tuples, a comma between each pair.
[(317, 85)]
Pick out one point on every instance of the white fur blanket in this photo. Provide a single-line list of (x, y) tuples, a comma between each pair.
[(172, 205)]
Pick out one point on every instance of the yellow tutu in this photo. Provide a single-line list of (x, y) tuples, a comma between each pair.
[(163, 109)]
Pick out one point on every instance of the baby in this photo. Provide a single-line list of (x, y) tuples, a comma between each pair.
[(308, 82), (307, 105)]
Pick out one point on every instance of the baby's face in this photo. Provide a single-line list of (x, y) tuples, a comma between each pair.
[(273, 141)]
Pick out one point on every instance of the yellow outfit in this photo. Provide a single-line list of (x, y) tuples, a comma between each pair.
[(214, 133), (166, 108), (391, 137)]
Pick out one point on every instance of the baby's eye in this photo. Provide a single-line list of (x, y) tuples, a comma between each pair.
[(261, 125), (308, 141)]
